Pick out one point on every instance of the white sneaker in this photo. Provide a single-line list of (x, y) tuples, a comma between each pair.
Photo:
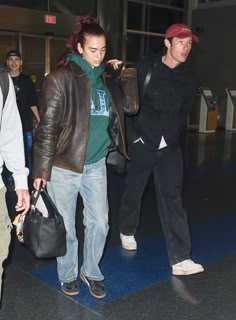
[(186, 267), (128, 242)]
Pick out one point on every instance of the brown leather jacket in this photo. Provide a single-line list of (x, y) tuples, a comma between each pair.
[(62, 134)]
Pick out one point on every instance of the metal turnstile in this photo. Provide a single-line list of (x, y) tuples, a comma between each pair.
[(208, 112), (230, 120)]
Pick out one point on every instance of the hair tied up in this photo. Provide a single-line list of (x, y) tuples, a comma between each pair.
[(87, 19), (86, 26)]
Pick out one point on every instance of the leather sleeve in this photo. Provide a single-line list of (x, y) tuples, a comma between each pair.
[(48, 130)]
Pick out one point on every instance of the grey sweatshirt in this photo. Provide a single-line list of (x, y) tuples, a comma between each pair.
[(11, 140)]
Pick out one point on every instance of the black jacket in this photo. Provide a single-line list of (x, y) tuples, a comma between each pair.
[(62, 134), (165, 104)]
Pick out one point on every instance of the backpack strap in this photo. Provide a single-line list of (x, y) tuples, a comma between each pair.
[(146, 82), (4, 83), (148, 78)]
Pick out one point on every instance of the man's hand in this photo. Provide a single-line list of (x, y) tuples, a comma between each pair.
[(37, 183), (23, 200), (115, 63)]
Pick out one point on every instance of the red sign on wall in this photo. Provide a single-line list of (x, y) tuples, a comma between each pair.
[(50, 19)]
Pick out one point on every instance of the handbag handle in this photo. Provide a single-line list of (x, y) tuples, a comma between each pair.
[(51, 202), (35, 196)]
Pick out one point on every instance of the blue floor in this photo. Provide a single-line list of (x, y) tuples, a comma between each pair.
[(139, 284), (128, 272)]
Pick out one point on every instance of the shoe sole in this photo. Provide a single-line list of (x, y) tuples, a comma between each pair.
[(129, 248), (88, 285), (186, 273), (74, 293)]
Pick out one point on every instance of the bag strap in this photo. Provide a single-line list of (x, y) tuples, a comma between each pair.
[(51, 201), (35, 196), (148, 77), (146, 82)]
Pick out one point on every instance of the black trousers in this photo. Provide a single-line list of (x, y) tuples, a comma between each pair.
[(167, 167)]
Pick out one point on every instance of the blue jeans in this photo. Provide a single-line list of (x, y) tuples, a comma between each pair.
[(92, 186)]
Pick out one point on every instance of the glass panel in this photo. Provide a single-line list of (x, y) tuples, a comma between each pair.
[(34, 59), (153, 44), (157, 19), (139, 46), (7, 42), (133, 45), (57, 48), (134, 18), (174, 3)]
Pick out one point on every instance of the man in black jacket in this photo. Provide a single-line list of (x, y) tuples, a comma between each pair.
[(167, 88)]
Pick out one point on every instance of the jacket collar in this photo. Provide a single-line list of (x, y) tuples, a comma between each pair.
[(75, 69)]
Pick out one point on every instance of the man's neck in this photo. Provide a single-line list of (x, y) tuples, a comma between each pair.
[(170, 62), (14, 73)]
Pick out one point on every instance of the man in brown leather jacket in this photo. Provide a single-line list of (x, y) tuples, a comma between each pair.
[(82, 116)]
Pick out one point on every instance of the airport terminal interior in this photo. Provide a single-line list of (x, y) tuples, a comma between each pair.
[(140, 284)]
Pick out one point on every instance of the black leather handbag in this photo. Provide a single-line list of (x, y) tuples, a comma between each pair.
[(43, 229)]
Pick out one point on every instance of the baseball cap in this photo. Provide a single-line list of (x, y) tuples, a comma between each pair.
[(13, 53), (180, 30)]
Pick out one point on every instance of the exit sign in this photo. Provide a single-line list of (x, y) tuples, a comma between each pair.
[(50, 19)]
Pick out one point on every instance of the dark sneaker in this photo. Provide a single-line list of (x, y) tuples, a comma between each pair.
[(70, 288), (96, 288)]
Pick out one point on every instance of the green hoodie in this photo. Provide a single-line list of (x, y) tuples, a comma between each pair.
[(98, 137)]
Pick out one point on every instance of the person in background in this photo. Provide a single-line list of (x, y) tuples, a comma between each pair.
[(26, 100), (82, 118), (12, 154), (27, 105), (167, 88)]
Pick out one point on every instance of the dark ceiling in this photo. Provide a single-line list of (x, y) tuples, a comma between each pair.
[(74, 7)]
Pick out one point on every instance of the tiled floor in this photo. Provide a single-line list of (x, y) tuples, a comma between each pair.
[(140, 286)]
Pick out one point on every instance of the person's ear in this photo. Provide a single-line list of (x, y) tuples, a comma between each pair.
[(80, 49), (167, 43)]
